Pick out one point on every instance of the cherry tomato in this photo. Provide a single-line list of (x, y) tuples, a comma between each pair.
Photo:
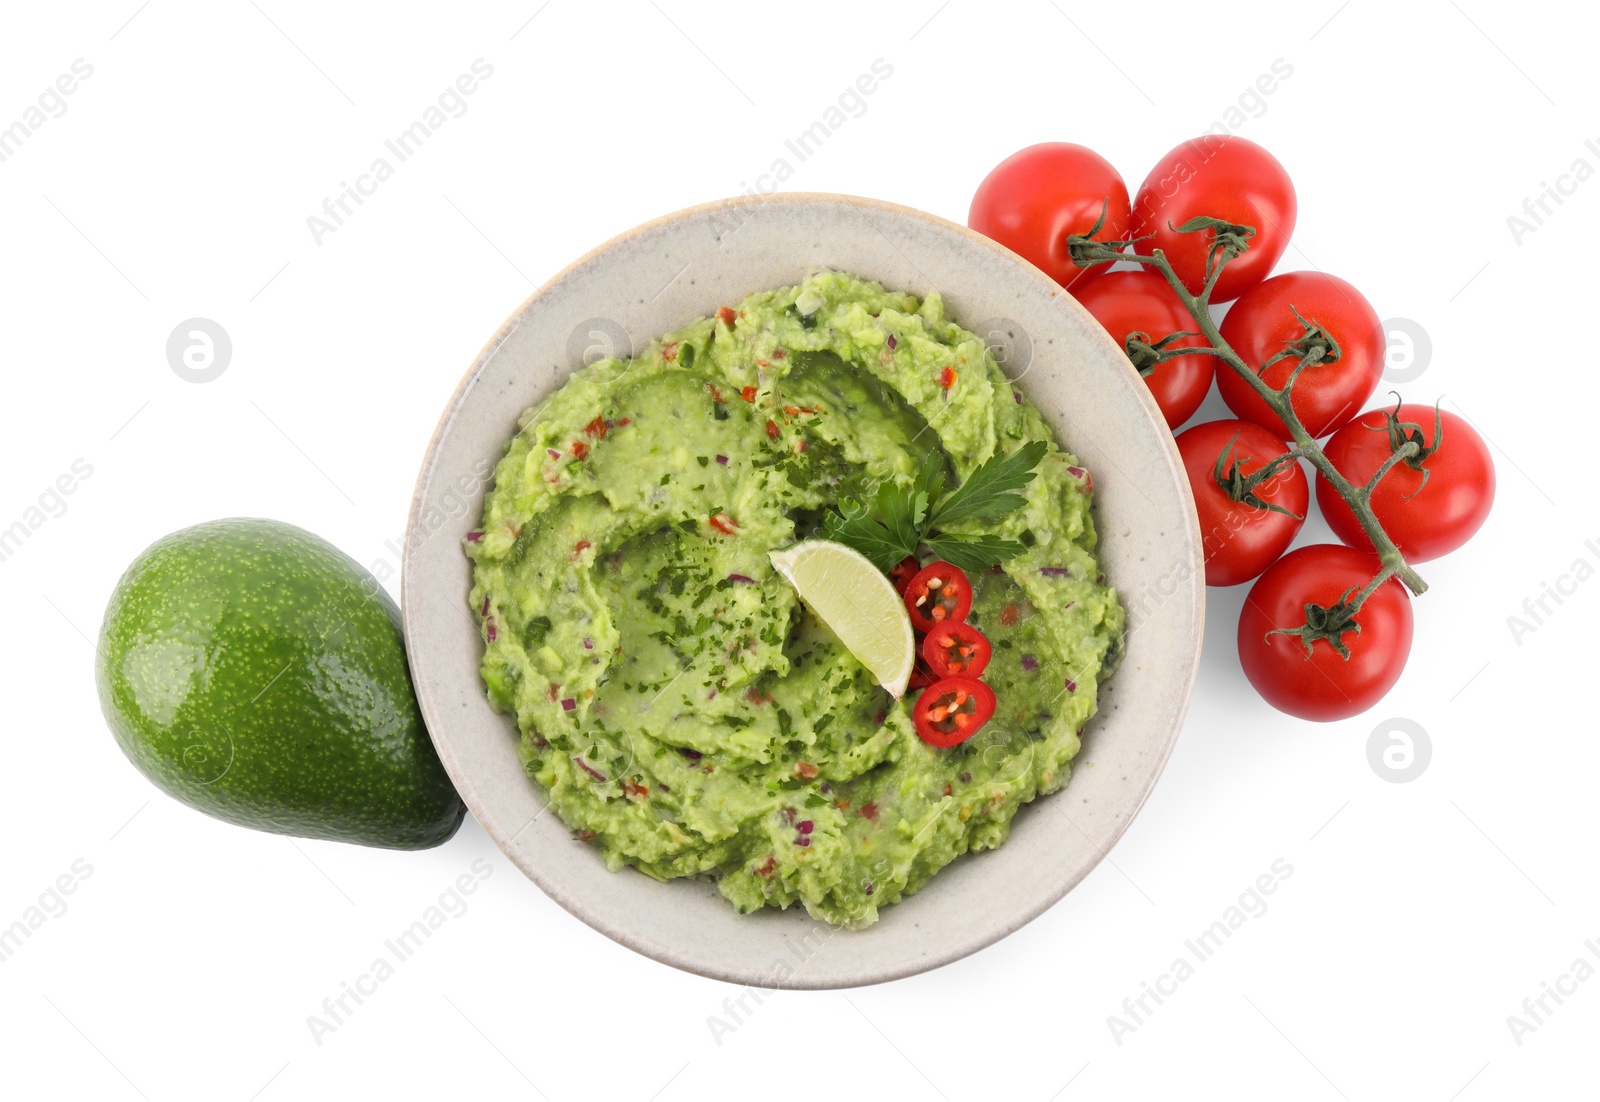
[(1141, 302), (1223, 177), (1320, 684), (1242, 537), (1428, 506), (1262, 324), (951, 710), (1036, 198), (902, 572), (956, 650), (939, 593)]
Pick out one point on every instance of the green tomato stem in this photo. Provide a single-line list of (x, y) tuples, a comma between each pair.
[(1392, 562)]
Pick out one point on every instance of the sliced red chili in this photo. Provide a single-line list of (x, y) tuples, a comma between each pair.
[(956, 650), (725, 316), (939, 593), (947, 378), (748, 393), (723, 523), (951, 710), (902, 572)]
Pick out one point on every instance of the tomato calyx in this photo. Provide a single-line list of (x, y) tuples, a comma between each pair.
[(1086, 250), (1230, 240), (1312, 348), (1329, 623), (1407, 444), (1146, 355), (1241, 487)]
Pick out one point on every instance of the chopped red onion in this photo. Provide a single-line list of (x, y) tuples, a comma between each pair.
[(474, 537), (741, 579), (805, 826), (892, 342), (723, 460), (1072, 686), (568, 704), (1054, 571), (589, 769), (588, 644), (1029, 662)]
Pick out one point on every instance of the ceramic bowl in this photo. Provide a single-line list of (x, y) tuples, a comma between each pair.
[(654, 279)]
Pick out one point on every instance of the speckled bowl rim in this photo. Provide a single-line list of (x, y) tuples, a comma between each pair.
[(618, 929)]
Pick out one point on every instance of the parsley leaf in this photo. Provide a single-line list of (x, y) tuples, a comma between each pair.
[(852, 527), (930, 484), (987, 495), (906, 517), (973, 552), (898, 511)]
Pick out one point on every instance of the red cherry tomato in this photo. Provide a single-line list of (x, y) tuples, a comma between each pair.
[(956, 650), (951, 710), (1224, 177), (1241, 537), (1429, 507), (1036, 198), (1262, 324), (1141, 302), (1321, 684), (939, 593)]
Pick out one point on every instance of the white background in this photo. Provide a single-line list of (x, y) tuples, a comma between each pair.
[(177, 184)]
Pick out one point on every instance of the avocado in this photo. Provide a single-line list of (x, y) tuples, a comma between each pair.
[(257, 673)]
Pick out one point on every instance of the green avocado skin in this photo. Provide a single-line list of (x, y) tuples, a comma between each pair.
[(257, 673)]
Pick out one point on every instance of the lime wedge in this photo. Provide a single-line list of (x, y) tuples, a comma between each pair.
[(858, 604)]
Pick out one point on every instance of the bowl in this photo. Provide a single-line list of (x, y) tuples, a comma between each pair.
[(654, 279)]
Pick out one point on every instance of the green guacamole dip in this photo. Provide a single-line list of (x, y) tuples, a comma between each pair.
[(677, 703)]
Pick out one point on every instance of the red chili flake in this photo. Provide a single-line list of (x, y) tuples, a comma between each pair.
[(805, 770), (725, 315), (583, 835), (723, 523), (580, 450), (780, 354), (805, 826), (770, 865), (772, 429), (948, 791), (597, 428), (635, 791), (555, 690), (869, 812), (801, 445), (716, 395), (578, 549), (947, 378), (1010, 615), (748, 393), (669, 351), (589, 769), (568, 704), (474, 537), (624, 422)]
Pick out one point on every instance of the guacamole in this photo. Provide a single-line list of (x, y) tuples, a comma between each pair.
[(678, 704)]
